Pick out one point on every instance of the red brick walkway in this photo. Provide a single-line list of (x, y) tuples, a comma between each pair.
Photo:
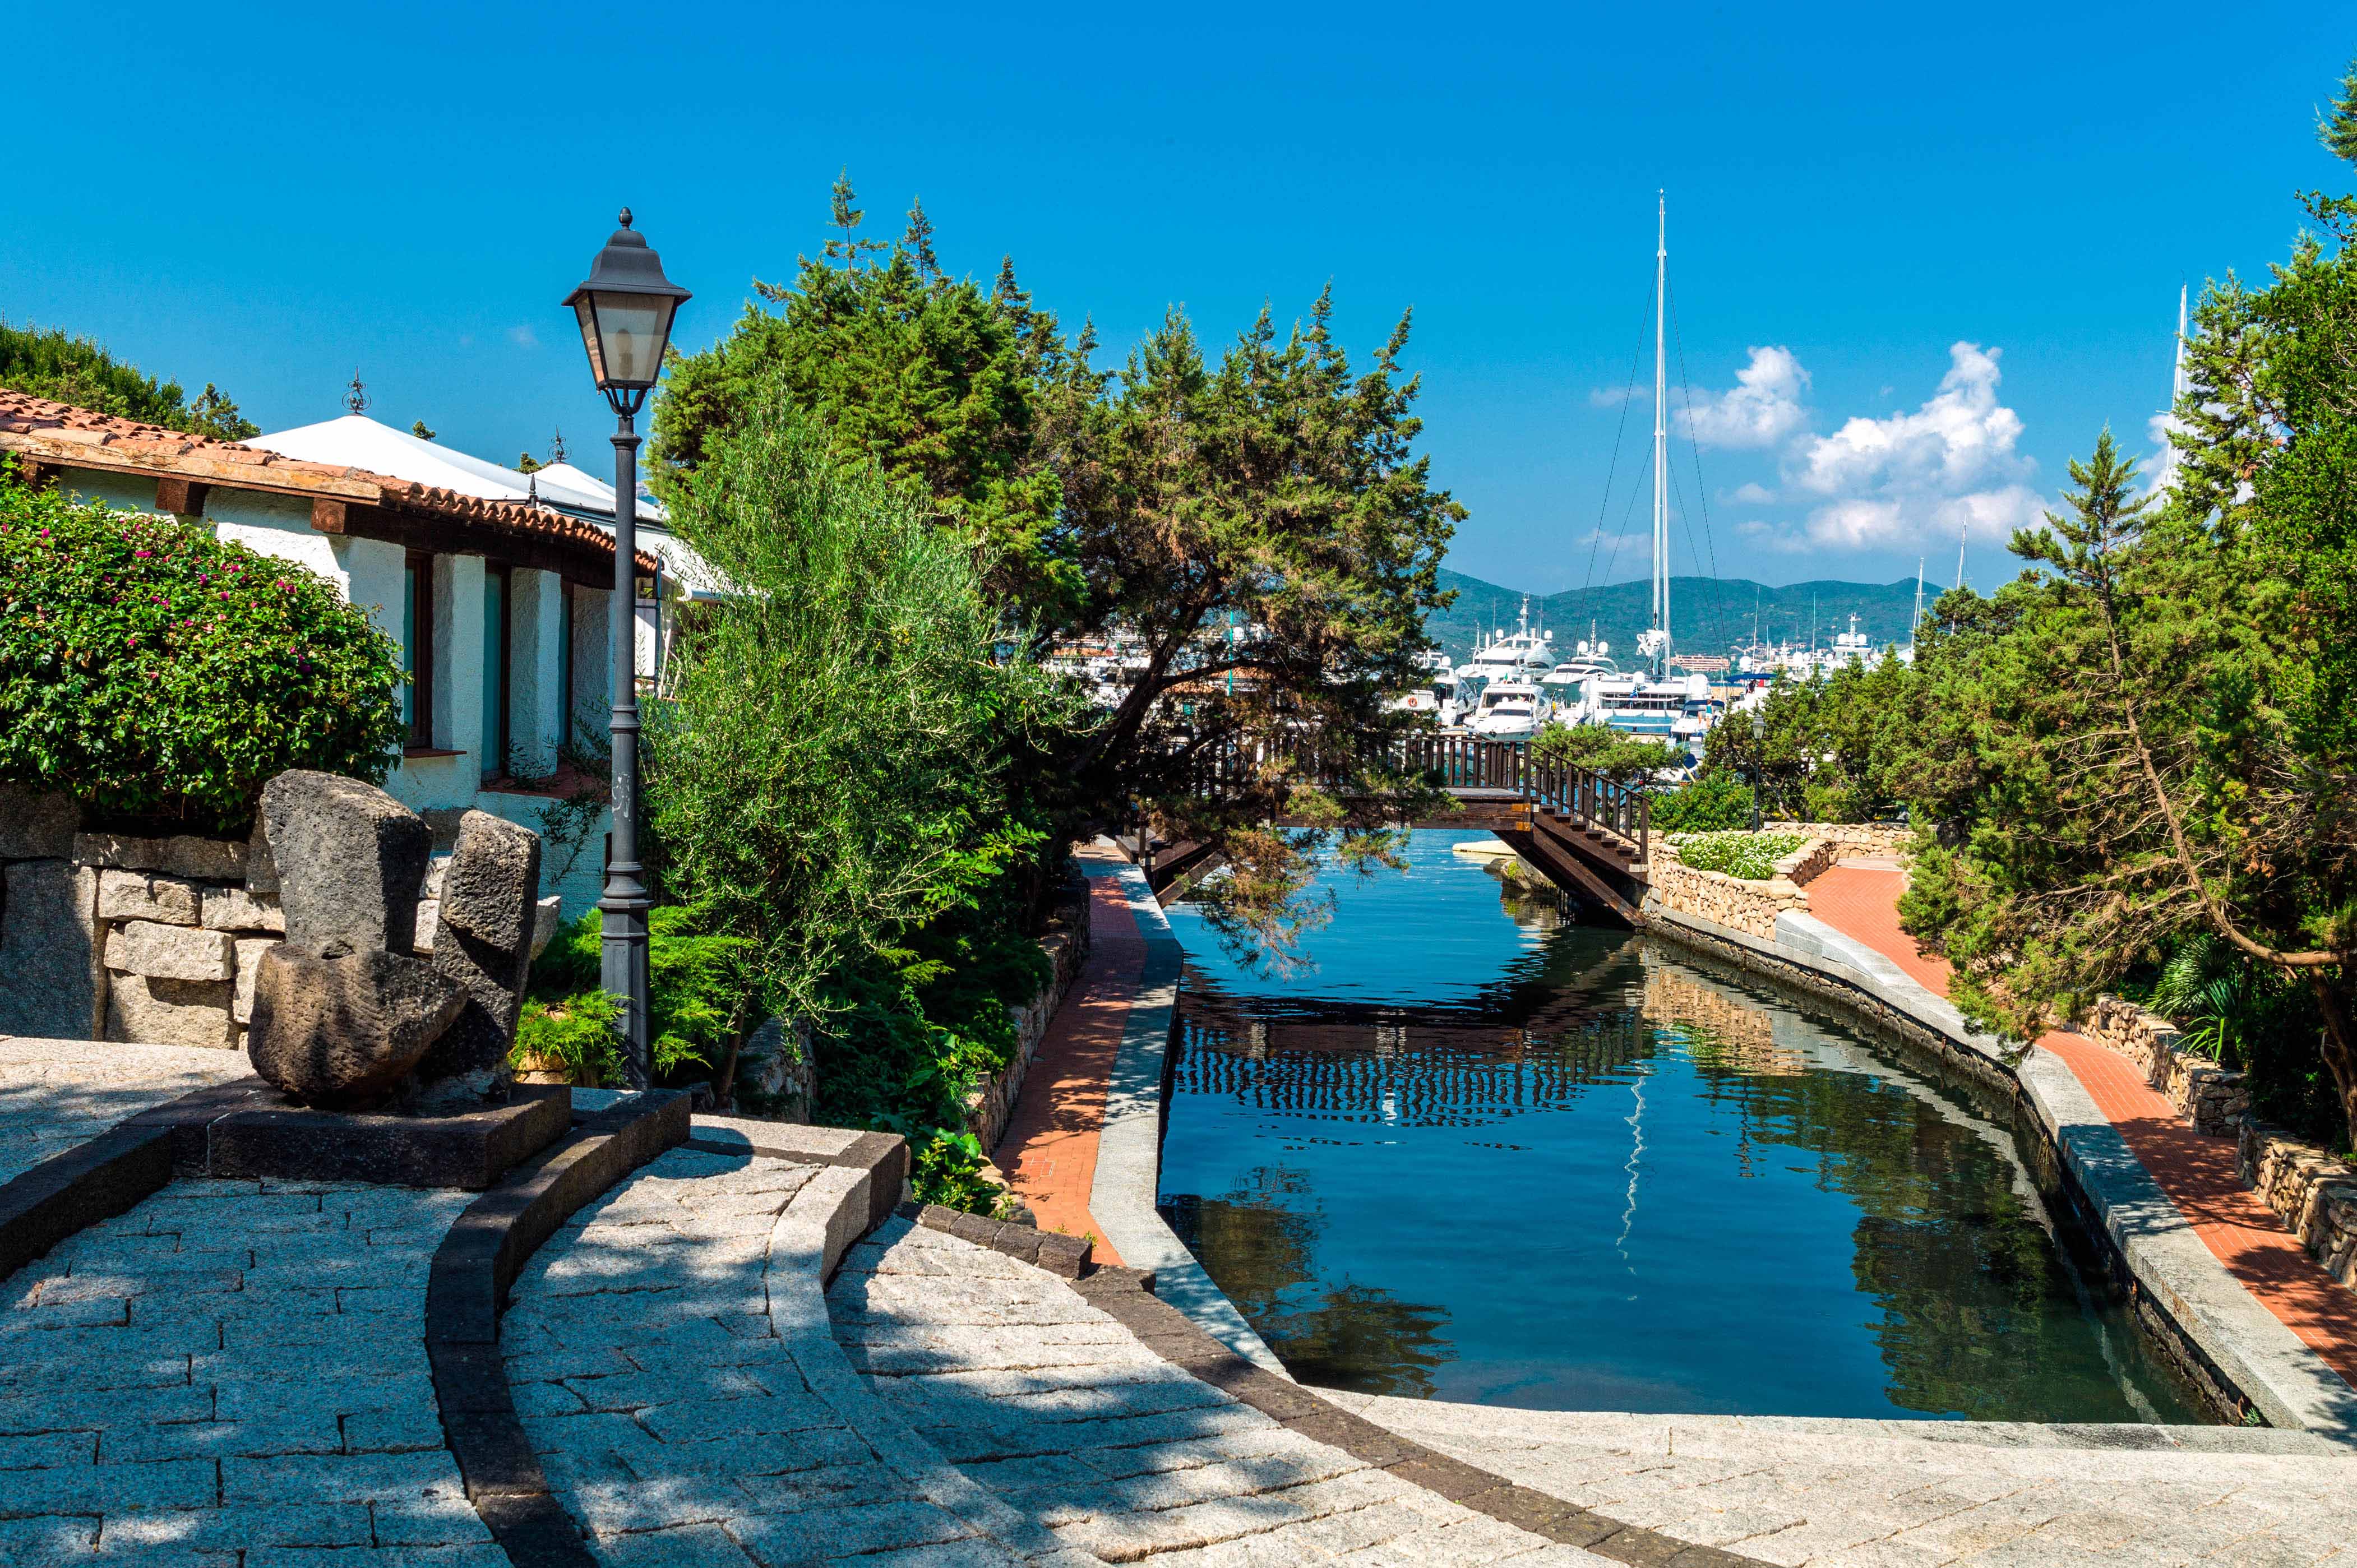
[(2196, 1172), (1049, 1149)]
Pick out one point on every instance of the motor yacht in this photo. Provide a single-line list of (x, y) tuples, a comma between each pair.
[(1512, 710)]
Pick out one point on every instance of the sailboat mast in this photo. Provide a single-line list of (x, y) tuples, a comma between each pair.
[(1661, 438)]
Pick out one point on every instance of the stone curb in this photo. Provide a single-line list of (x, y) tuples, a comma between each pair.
[(1123, 1295), (1128, 1178), (466, 1288), (1066, 1257), (2221, 1334), (111, 1174)]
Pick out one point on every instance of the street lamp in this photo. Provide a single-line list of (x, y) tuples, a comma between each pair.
[(625, 309)]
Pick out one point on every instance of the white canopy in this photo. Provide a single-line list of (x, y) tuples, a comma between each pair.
[(356, 441)]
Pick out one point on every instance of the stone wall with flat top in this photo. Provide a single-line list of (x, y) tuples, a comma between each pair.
[(158, 940)]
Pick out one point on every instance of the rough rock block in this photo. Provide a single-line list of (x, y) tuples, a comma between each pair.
[(50, 950), (239, 910), (169, 952), (35, 826), (249, 968), (549, 915), (349, 859), (182, 854), (157, 1012), (146, 896), (343, 1030), (483, 942)]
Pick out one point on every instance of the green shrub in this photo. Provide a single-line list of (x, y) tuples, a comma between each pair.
[(700, 999), (153, 672), (1717, 801), (1751, 856)]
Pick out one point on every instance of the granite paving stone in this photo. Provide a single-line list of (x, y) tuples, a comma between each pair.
[(167, 1393)]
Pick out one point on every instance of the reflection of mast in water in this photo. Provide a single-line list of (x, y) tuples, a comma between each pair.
[(1636, 1120)]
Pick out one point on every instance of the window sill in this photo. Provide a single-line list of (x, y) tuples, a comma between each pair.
[(414, 753)]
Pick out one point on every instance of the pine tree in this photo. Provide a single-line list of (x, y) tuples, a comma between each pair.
[(918, 242), (417, 428), (848, 218), (2337, 130)]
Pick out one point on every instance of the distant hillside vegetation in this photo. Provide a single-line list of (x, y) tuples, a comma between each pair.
[(1707, 616)]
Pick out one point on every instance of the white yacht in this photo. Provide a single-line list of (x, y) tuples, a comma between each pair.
[(1437, 695), (1521, 654), (1569, 679), (1511, 710)]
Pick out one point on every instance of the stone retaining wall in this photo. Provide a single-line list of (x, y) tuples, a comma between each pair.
[(2312, 1190), (1751, 907), (1736, 902), (155, 940), (1851, 841), (2211, 1099)]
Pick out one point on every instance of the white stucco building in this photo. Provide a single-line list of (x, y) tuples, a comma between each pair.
[(498, 605)]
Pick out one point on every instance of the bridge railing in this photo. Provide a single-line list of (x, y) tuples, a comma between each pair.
[(1455, 762)]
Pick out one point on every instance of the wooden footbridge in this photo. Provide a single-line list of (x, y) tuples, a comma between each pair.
[(1588, 835)]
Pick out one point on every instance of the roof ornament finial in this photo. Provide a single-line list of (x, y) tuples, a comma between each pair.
[(626, 216), (532, 487), (557, 448), (356, 397)]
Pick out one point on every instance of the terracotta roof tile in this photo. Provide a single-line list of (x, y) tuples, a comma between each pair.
[(36, 428)]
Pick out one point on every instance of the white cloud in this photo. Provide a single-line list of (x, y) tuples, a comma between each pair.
[(1613, 397), (523, 338), (1762, 409), (1752, 494), (1949, 468)]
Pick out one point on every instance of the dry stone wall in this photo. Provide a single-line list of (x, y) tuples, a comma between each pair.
[(2211, 1099), (2312, 1190), (158, 940), (1751, 907)]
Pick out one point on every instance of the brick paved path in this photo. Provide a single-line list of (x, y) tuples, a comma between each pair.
[(232, 1367), (57, 1093), (2197, 1172), (1054, 1408), (1049, 1148), (1886, 1494)]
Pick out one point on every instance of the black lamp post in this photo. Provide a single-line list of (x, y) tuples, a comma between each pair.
[(626, 310)]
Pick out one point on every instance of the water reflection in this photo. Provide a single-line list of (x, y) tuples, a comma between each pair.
[(1479, 1157)]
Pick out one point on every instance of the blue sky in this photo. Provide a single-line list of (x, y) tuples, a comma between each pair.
[(267, 197)]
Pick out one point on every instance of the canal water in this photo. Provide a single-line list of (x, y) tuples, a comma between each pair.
[(1472, 1150)]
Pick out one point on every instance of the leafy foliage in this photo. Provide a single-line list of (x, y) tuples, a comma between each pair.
[(1750, 855), (1832, 749), (1600, 748), (153, 672), (56, 365), (846, 778), (698, 993), (1715, 801)]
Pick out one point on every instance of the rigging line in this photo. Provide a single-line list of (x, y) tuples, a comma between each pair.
[(1627, 520), (1604, 506), (1702, 495)]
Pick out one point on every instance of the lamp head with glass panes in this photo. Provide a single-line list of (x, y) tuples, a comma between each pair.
[(625, 309)]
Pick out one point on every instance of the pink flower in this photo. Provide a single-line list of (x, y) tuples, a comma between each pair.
[(142, 554)]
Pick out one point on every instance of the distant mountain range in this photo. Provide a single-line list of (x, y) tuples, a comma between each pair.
[(1707, 614)]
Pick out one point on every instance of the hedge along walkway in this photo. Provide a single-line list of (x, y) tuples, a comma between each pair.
[(1049, 1149), (2197, 1172)]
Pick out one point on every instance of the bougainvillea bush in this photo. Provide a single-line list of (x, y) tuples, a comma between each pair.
[(156, 673)]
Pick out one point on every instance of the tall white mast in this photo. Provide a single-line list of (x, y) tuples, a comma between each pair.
[(1919, 610), (1660, 442)]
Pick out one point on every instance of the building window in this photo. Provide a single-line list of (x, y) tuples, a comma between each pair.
[(417, 648), (495, 670)]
